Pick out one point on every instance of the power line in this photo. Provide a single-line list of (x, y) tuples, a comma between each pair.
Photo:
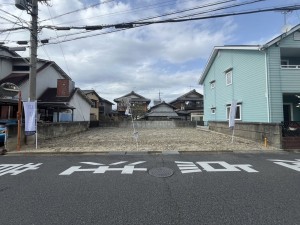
[(60, 45), (138, 24), (202, 6), (78, 10), (147, 7)]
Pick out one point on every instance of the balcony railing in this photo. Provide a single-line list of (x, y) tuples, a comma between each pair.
[(290, 66)]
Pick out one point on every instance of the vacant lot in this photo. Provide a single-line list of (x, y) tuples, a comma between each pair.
[(119, 139)]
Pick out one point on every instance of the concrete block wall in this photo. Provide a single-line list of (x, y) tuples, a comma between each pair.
[(45, 131), (149, 124), (253, 131)]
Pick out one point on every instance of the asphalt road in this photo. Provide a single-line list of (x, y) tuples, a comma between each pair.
[(225, 188)]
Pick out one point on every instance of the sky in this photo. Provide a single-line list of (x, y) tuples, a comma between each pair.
[(159, 60)]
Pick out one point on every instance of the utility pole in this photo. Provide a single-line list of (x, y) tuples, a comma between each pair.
[(33, 50), (31, 6)]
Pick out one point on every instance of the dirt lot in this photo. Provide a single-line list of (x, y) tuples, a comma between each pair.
[(118, 139)]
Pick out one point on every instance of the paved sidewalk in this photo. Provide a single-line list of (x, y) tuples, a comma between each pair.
[(119, 140)]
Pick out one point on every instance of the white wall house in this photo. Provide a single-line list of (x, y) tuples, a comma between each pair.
[(64, 99)]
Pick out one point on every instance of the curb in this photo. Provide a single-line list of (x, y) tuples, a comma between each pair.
[(111, 153)]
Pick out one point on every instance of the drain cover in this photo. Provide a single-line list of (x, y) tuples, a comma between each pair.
[(161, 172)]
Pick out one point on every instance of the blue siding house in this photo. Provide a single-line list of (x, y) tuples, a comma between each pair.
[(264, 80)]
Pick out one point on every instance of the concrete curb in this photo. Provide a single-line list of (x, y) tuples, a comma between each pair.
[(111, 153)]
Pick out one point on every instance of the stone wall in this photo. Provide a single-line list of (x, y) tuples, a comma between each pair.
[(253, 131)]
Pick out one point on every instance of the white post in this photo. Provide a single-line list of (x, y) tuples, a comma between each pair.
[(36, 111)]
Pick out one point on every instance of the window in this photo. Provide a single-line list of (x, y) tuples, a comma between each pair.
[(20, 68), (212, 84), (94, 103), (238, 113), (284, 62), (213, 110), (228, 77)]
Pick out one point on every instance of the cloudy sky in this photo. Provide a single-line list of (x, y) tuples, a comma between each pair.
[(165, 58)]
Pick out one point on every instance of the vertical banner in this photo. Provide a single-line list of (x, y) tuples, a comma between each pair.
[(232, 113), (30, 117)]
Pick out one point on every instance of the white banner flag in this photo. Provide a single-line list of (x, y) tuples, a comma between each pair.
[(232, 113), (30, 117)]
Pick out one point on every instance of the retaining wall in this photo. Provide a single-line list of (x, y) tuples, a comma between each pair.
[(253, 131), (149, 124), (45, 131)]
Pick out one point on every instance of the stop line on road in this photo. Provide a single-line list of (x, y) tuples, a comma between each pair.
[(124, 167)]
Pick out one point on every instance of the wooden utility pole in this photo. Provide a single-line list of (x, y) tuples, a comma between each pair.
[(33, 50)]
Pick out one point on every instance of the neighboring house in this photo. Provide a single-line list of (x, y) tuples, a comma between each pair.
[(15, 69), (64, 104), (189, 106), (105, 108), (138, 103), (161, 111), (263, 80), (100, 106)]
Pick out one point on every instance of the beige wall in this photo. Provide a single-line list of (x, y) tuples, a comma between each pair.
[(94, 111)]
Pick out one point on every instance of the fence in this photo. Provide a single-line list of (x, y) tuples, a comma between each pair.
[(290, 129), (290, 135)]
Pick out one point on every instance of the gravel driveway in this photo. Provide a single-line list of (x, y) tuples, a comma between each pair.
[(120, 139)]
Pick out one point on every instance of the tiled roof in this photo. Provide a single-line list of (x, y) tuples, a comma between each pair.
[(187, 97), (138, 99), (50, 95), (16, 78)]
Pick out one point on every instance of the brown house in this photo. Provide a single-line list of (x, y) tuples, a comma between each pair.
[(189, 106), (137, 103)]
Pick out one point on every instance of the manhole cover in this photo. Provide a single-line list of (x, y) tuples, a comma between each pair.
[(161, 172)]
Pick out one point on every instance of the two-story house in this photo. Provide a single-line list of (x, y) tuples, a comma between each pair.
[(264, 80), (57, 97), (138, 104), (101, 107), (189, 106)]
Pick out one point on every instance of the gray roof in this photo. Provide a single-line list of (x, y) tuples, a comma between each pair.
[(187, 97), (244, 47), (138, 98), (162, 110)]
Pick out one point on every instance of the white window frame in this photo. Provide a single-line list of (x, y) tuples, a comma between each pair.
[(212, 85), (213, 110), (228, 77), (238, 109)]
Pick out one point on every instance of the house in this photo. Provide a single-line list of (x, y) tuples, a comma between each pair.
[(138, 104), (101, 107), (264, 81), (64, 104), (50, 80), (161, 111), (189, 106)]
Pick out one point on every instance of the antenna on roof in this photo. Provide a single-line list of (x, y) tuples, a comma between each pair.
[(157, 101), (286, 27)]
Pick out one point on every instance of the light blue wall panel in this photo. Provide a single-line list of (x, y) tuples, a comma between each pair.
[(249, 85), (281, 80)]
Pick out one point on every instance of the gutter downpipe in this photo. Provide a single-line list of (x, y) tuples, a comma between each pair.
[(267, 87)]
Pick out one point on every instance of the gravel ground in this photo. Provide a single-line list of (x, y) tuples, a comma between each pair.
[(119, 139)]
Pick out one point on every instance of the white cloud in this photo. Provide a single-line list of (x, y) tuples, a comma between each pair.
[(166, 58)]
